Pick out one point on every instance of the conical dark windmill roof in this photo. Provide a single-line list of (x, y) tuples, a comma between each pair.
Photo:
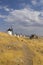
[(10, 29)]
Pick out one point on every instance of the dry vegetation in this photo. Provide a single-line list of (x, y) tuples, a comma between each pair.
[(20, 51)]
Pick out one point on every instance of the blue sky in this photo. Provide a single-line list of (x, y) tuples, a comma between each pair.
[(26, 16)]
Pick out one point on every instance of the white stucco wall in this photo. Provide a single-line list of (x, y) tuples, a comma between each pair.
[(10, 32)]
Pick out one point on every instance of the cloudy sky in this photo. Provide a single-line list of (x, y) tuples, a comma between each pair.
[(26, 16)]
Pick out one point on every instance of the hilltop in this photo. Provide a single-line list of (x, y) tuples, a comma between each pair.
[(20, 51)]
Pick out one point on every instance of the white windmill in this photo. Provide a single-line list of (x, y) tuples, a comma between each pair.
[(10, 31)]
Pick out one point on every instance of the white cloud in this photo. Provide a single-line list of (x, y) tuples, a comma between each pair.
[(2, 16), (37, 3), (34, 2), (25, 15), (6, 8)]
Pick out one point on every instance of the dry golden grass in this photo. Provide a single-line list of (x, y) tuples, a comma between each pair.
[(20, 51)]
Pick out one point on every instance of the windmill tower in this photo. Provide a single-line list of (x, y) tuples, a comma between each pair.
[(10, 31)]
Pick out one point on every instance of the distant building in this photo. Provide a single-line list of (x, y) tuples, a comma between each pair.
[(10, 31), (33, 36), (20, 35), (15, 35)]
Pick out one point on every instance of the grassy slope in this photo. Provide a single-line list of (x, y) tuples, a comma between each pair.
[(20, 51)]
